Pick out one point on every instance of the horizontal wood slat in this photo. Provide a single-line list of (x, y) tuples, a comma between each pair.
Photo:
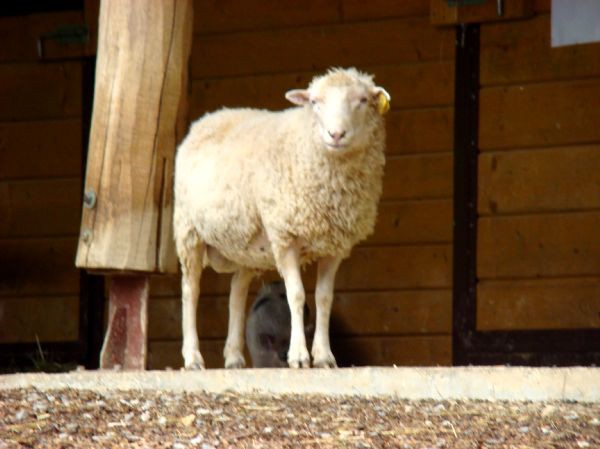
[(40, 266), (429, 350), (25, 92), (445, 12), (376, 43), (539, 180), (367, 269), (368, 313), (40, 149), (539, 245), (418, 177), (539, 304), (50, 319), (357, 351), (413, 222), (216, 16), (420, 131), (536, 115), (414, 131), (382, 9), (521, 51), (410, 86), (40, 208)]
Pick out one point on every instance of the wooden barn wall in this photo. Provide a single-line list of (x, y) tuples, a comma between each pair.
[(40, 182), (393, 296), (539, 183)]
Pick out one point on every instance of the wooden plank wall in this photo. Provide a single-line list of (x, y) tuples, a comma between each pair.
[(539, 182), (393, 296), (40, 182)]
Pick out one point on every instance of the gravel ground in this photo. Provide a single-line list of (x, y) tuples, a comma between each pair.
[(30, 418)]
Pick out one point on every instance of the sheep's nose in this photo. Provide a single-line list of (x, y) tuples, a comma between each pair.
[(337, 136)]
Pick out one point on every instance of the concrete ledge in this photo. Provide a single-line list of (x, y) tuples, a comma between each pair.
[(487, 383)]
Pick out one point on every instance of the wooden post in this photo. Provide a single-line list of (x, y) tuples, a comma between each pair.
[(125, 341), (139, 115)]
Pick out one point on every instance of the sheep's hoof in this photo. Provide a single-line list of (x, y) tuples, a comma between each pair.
[(304, 363), (299, 360), (193, 360), (323, 358), (235, 362), (194, 366), (325, 363)]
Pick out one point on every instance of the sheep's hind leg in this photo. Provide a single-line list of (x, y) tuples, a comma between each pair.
[(321, 349), (190, 257), (289, 266), (234, 346)]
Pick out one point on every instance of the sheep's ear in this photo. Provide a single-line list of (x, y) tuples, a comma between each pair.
[(382, 99), (298, 96)]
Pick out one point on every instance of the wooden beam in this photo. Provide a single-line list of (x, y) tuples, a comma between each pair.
[(125, 340), (139, 116)]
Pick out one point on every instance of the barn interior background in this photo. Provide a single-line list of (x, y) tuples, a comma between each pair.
[(526, 288)]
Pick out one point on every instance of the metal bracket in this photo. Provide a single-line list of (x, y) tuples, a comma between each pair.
[(64, 35)]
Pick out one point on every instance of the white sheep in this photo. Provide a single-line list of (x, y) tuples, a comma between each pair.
[(259, 190)]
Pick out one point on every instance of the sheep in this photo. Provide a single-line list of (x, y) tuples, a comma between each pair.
[(258, 190), (268, 327)]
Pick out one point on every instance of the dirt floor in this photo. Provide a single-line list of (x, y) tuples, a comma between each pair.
[(30, 418)]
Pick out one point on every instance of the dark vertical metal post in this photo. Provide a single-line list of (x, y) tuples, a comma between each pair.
[(466, 118)]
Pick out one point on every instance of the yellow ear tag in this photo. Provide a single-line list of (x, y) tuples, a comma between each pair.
[(383, 104)]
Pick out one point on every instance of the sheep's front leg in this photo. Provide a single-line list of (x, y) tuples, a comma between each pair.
[(321, 349), (191, 271), (234, 346), (289, 266)]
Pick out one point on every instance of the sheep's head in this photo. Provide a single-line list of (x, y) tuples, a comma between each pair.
[(347, 106)]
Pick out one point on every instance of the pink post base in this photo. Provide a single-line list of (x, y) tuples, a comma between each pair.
[(125, 340)]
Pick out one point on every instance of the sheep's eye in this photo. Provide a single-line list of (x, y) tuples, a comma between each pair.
[(363, 100), (313, 101)]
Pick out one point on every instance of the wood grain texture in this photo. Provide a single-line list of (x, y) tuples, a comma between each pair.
[(539, 304), (418, 177), (40, 149), (443, 13), (555, 179), (361, 351), (545, 245), (368, 269), (50, 319), (521, 51), (382, 9), (401, 267), (40, 266), (25, 92), (138, 118), (40, 208), (410, 86), (413, 222), (429, 350), (218, 16), (353, 314), (420, 131), (412, 40), (537, 115)]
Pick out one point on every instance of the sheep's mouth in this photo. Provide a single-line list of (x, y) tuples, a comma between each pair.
[(336, 146)]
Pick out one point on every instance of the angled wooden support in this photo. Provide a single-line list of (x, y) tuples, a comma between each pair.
[(125, 340)]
